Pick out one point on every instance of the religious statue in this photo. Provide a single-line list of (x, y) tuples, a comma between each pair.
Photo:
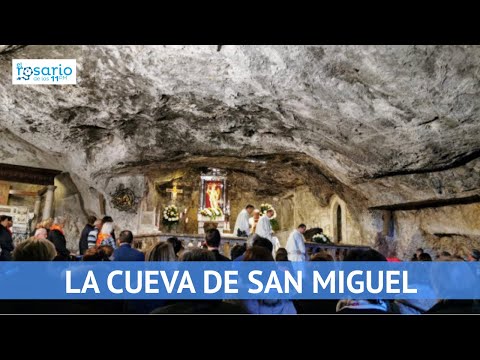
[(213, 200), (213, 195)]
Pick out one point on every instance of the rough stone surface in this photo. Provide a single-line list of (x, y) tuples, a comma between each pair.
[(68, 202), (455, 229), (376, 125)]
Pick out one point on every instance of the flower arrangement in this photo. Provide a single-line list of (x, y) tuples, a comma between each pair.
[(265, 207), (273, 221), (321, 238), (170, 215), (212, 213)]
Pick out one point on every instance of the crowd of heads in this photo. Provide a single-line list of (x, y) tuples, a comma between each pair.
[(41, 247), (421, 255), (173, 249)]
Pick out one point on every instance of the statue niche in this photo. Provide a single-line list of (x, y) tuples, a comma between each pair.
[(213, 194), (214, 210)]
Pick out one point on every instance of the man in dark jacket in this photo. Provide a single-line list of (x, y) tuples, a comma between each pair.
[(83, 243), (57, 237), (125, 252), (6, 240), (213, 239)]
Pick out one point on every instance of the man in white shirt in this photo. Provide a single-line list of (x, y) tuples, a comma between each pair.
[(242, 225), (296, 244)]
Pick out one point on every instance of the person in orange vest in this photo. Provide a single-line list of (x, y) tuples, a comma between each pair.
[(57, 237)]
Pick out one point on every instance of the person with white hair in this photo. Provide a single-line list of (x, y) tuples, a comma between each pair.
[(253, 221), (40, 233), (105, 236), (57, 237)]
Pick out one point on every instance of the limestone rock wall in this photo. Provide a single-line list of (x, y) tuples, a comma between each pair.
[(68, 202), (75, 205), (455, 229)]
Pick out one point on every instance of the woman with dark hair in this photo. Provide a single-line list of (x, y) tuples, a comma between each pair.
[(268, 306), (351, 306), (281, 255), (98, 254), (321, 306), (177, 246), (162, 251), (237, 251)]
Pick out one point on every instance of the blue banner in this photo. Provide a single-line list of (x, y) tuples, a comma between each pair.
[(239, 280)]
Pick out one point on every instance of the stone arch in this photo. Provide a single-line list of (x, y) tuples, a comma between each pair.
[(338, 219)]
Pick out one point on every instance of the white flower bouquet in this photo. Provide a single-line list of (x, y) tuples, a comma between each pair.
[(170, 215), (263, 210), (265, 207), (212, 213), (321, 239)]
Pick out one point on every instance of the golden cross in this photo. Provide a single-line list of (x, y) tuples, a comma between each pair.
[(174, 191)]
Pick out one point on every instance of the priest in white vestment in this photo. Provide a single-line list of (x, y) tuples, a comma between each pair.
[(264, 229), (296, 244), (242, 225)]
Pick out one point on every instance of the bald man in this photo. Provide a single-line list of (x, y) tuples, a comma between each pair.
[(40, 233)]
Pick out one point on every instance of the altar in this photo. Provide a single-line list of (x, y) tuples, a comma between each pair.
[(189, 241), (206, 222)]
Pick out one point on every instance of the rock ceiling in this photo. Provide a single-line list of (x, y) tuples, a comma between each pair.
[(393, 124)]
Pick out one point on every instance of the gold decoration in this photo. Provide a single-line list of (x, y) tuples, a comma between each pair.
[(124, 199)]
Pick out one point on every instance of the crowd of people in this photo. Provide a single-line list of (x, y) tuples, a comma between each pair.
[(98, 242)]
